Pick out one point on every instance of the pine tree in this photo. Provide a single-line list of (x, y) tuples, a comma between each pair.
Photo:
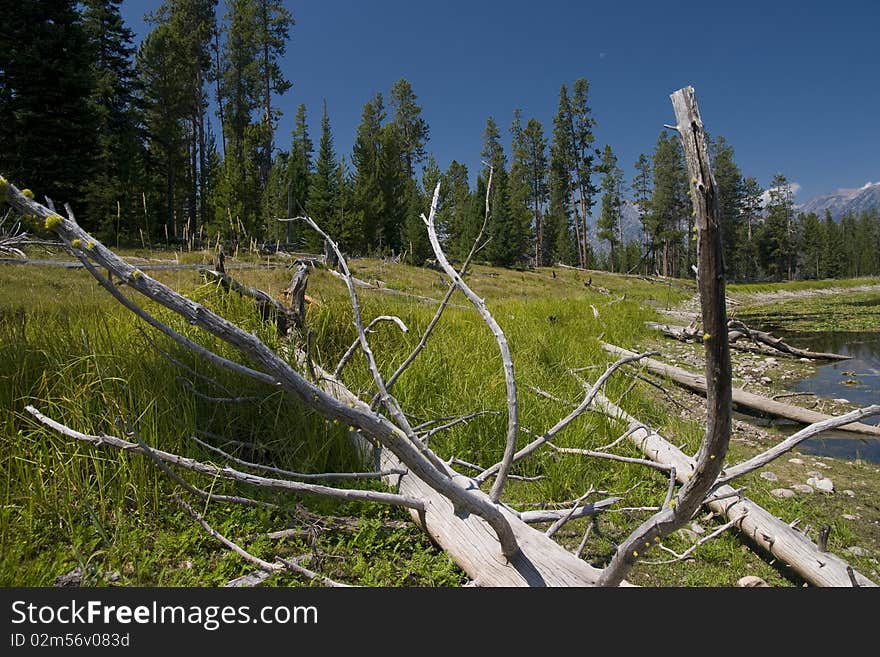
[(415, 234), (299, 171), (455, 223), (412, 130), (369, 203), (582, 139), (48, 131), (641, 188), (666, 227), (519, 234), (811, 264), (167, 153), (323, 193), (536, 167), (115, 187), (747, 255), (273, 24), (610, 220), (500, 250), (729, 181), (777, 237), (832, 248)]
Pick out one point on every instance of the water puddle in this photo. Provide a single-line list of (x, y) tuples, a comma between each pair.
[(856, 380)]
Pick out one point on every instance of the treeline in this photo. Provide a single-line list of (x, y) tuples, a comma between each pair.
[(125, 135)]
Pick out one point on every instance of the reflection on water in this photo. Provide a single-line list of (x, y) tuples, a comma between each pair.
[(856, 380)]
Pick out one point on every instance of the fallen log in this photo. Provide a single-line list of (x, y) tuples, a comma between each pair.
[(683, 334), (742, 398), (763, 528), (738, 330)]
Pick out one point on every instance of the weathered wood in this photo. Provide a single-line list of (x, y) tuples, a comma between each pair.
[(779, 344), (467, 538), (741, 397), (270, 309), (710, 279), (765, 343), (763, 528)]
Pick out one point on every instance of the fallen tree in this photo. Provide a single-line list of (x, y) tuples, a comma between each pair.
[(761, 341), (742, 398), (491, 541)]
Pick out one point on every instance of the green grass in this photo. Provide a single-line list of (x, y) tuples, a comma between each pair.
[(72, 351), (793, 286)]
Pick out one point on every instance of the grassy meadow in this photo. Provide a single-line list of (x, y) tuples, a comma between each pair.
[(73, 352)]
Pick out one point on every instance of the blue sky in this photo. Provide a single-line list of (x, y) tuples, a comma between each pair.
[(793, 86)]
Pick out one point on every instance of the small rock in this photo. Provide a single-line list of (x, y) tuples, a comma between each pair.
[(849, 516), (802, 488), (697, 528), (782, 492), (824, 484), (848, 492), (751, 581), (769, 476), (804, 360), (841, 400), (771, 361), (819, 464), (766, 380), (857, 551), (796, 461), (73, 578)]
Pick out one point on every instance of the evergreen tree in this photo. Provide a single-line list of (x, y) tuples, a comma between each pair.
[(48, 131), (323, 194), (729, 182), (811, 264), (669, 207), (566, 231), (455, 218), (500, 250), (777, 237), (747, 257), (832, 248), (610, 220), (415, 234), (641, 189), (536, 166), (272, 30), (166, 144), (114, 189), (369, 203), (190, 26), (412, 130), (398, 189), (299, 171), (519, 195), (582, 124)]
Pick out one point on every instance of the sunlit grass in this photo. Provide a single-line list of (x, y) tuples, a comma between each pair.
[(69, 349)]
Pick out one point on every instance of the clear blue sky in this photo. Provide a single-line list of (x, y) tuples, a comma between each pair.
[(793, 86)]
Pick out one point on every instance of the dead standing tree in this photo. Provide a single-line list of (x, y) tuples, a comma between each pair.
[(492, 542)]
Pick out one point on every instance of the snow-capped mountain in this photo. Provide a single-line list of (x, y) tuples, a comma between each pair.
[(845, 201)]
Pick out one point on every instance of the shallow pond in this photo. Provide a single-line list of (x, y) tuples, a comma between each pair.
[(856, 380)]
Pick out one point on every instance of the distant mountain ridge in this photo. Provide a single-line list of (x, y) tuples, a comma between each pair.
[(844, 201)]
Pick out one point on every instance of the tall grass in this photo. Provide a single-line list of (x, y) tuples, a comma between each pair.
[(69, 349)]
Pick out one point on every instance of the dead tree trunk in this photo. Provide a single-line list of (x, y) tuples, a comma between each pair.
[(761, 527)]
